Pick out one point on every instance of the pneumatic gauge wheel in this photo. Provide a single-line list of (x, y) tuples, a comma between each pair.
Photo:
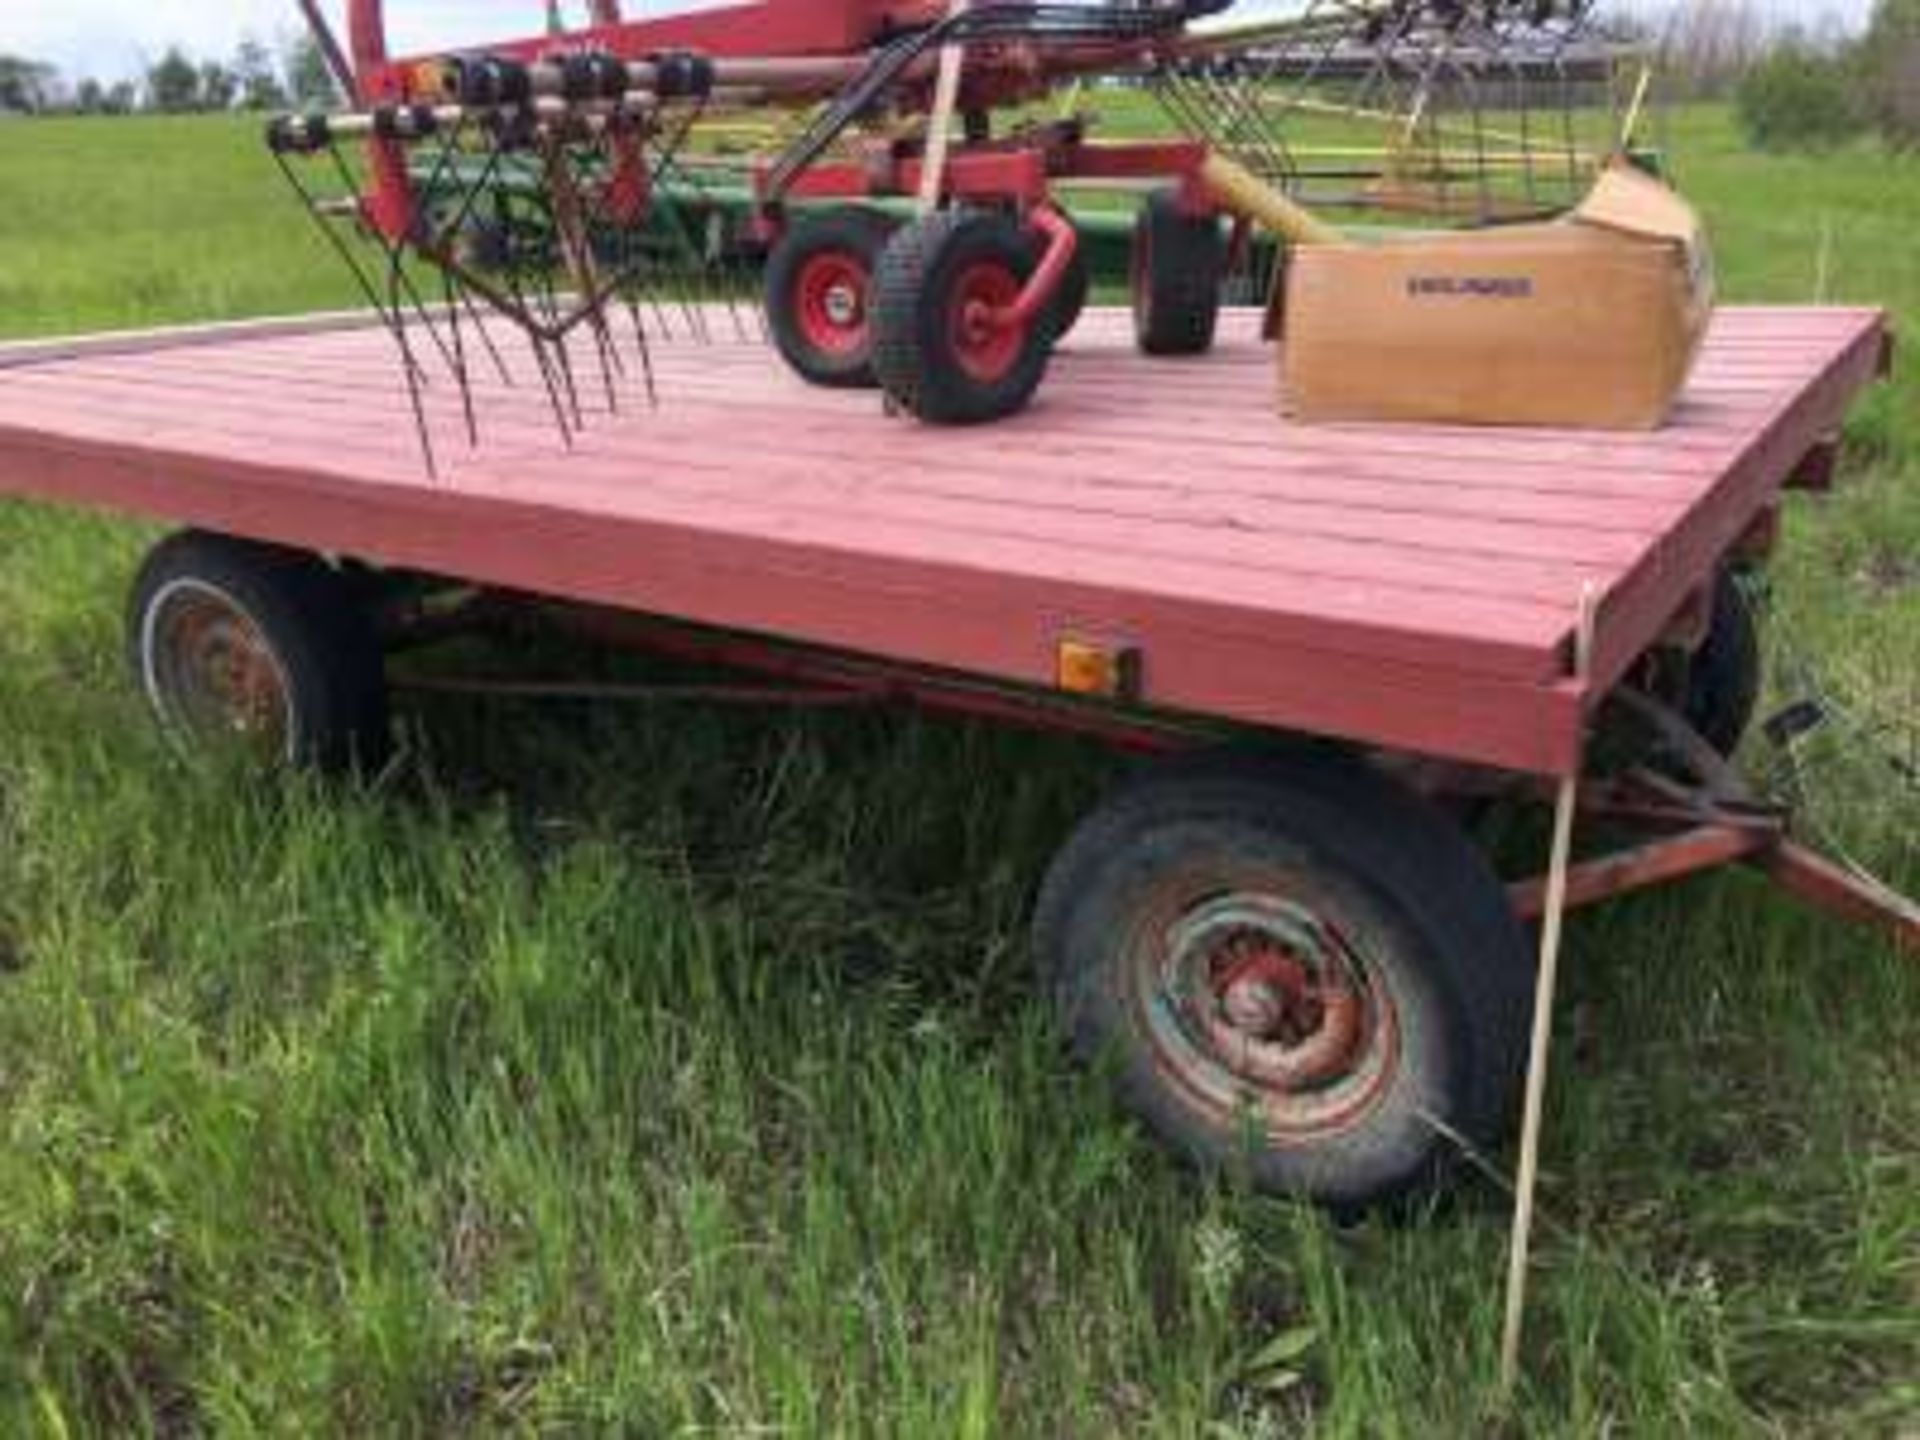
[(1175, 269), (944, 348), (819, 287)]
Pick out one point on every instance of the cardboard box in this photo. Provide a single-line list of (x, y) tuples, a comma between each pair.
[(1591, 321)]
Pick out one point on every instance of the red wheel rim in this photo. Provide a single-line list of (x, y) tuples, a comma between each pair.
[(211, 673), (986, 350), (831, 302), (1253, 1000)]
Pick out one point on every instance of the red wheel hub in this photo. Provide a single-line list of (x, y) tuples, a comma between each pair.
[(1293, 1026), (1255, 999), (986, 347), (831, 298)]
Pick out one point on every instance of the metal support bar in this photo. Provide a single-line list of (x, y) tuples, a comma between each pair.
[(1045, 279), (1127, 726), (1826, 886), (1643, 866), (802, 696)]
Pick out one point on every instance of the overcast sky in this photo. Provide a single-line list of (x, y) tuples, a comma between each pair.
[(115, 38)]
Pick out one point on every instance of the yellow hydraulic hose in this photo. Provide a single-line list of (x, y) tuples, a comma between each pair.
[(1242, 192)]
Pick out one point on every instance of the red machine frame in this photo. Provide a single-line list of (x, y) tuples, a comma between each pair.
[(1019, 171)]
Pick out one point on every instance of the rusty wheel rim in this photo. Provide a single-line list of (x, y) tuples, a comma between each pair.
[(1257, 1003), (211, 673)]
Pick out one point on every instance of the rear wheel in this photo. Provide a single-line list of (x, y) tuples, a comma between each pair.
[(1293, 964), (819, 288), (1175, 270), (1725, 674), (246, 647), (1715, 688), (941, 349)]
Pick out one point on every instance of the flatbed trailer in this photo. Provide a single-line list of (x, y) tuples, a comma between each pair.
[(1150, 554)]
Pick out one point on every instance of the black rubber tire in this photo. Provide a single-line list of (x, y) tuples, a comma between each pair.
[(310, 618), (1725, 674), (915, 356), (850, 231), (1175, 270), (1395, 874)]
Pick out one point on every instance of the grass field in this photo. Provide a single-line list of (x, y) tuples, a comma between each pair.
[(662, 1073)]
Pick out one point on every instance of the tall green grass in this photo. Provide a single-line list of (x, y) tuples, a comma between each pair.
[(676, 1071)]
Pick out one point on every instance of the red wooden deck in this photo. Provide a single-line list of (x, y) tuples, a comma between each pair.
[(1411, 587)]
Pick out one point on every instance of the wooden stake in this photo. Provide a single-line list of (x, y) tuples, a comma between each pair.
[(1551, 923), (946, 93)]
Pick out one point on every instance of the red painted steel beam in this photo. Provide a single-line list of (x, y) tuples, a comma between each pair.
[(1045, 279), (1641, 867), (1839, 892), (831, 672)]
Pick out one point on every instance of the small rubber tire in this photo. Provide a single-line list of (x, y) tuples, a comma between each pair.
[(1175, 269), (289, 613), (819, 295), (1446, 1022), (926, 358), (1725, 675)]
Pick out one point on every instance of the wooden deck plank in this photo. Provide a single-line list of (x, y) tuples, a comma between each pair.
[(1525, 459), (1546, 529), (1407, 585)]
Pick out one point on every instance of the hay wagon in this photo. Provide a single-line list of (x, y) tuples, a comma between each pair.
[(1320, 639)]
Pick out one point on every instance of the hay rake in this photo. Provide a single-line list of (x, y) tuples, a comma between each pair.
[(546, 182), (1463, 113)]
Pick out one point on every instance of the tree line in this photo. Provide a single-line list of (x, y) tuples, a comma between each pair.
[(1813, 90), (254, 77)]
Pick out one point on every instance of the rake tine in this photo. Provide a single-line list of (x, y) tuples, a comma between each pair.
[(555, 339), (416, 378), (541, 359), (651, 296), (736, 288), (563, 361), (603, 348), (460, 358), (529, 326), (486, 337), (640, 344)]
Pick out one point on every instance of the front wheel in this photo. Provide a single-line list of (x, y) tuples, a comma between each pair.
[(1295, 965), (943, 349), (1725, 676), (251, 648)]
